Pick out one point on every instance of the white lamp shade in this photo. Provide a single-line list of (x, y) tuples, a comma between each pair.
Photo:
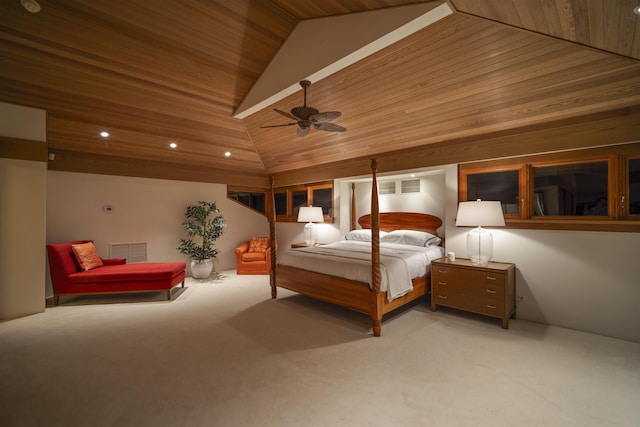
[(480, 214), (310, 214)]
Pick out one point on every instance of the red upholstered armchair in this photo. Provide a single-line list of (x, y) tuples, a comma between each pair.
[(254, 256)]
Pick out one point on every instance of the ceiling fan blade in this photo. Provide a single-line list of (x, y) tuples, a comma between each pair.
[(329, 127), (325, 117), (277, 126), (302, 131), (284, 113)]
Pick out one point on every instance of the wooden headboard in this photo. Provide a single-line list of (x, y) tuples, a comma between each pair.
[(390, 221)]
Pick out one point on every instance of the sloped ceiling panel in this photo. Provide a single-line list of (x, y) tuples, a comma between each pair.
[(458, 78)]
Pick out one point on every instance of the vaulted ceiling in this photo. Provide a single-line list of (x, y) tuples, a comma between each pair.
[(495, 77)]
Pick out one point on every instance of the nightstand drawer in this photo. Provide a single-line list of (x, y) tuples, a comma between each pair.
[(453, 275), (491, 291), (488, 306)]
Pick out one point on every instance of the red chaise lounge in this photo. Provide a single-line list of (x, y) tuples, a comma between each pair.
[(113, 276)]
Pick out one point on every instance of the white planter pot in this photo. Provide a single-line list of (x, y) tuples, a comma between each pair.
[(201, 269)]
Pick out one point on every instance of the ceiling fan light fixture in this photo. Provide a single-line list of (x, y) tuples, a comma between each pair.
[(306, 116)]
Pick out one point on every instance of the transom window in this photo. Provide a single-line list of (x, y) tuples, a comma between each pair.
[(591, 189)]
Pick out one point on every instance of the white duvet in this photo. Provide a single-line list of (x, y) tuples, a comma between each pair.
[(352, 260)]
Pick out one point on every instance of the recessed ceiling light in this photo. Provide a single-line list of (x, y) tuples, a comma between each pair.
[(227, 154), (173, 145), (636, 10), (104, 134), (31, 5)]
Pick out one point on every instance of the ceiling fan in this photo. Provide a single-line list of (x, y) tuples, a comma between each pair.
[(305, 117)]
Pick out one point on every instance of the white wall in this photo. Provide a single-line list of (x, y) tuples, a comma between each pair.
[(144, 210), (22, 217), (430, 199), (588, 281)]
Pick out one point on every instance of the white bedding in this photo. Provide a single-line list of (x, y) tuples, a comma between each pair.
[(352, 260)]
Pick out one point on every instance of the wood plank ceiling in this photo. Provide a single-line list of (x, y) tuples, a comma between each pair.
[(177, 72)]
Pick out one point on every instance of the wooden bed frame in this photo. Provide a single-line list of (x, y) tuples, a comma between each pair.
[(351, 294)]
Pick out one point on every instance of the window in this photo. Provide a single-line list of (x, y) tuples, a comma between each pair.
[(289, 200), (590, 189), (252, 198), (574, 189), (323, 197), (633, 188), (501, 185)]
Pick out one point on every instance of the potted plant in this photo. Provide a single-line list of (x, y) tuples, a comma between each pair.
[(203, 229)]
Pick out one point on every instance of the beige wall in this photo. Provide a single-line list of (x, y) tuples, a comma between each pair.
[(143, 210), (22, 217), (22, 247)]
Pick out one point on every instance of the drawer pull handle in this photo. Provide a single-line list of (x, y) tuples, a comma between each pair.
[(442, 283), (491, 277), (441, 271), (491, 291), (442, 296), (491, 306)]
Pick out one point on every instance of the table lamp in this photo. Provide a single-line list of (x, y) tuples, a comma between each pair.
[(310, 214), (479, 240)]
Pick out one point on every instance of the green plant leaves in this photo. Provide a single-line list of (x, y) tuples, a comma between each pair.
[(206, 229)]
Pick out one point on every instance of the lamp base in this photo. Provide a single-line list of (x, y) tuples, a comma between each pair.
[(480, 246), (309, 234)]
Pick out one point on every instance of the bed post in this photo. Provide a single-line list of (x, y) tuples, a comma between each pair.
[(353, 206), (376, 310), (272, 237)]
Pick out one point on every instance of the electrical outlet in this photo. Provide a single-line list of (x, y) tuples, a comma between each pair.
[(519, 298), (107, 209)]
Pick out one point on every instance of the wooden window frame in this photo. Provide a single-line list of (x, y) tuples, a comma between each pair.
[(290, 215), (617, 158)]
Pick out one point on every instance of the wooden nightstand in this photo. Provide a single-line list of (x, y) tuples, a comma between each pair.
[(488, 290)]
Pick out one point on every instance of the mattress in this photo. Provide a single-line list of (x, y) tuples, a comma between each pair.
[(399, 264)]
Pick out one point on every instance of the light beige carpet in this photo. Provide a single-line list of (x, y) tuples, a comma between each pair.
[(222, 353)]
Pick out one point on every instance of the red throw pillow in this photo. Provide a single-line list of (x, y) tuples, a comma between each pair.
[(87, 256), (258, 244)]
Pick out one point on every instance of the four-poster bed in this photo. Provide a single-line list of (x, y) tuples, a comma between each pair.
[(365, 296)]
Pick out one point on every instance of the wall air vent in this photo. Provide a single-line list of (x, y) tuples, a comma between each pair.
[(133, 252), (410, 186), (387, 187)]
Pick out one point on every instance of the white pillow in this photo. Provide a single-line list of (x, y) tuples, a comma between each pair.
[(411, 237), (361, 235)]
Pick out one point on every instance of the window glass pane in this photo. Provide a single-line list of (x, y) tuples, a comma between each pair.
[(322, 197), (281, 203), (575, 189), (502, 186), (634, 187), (298, 199), (253, 200)]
